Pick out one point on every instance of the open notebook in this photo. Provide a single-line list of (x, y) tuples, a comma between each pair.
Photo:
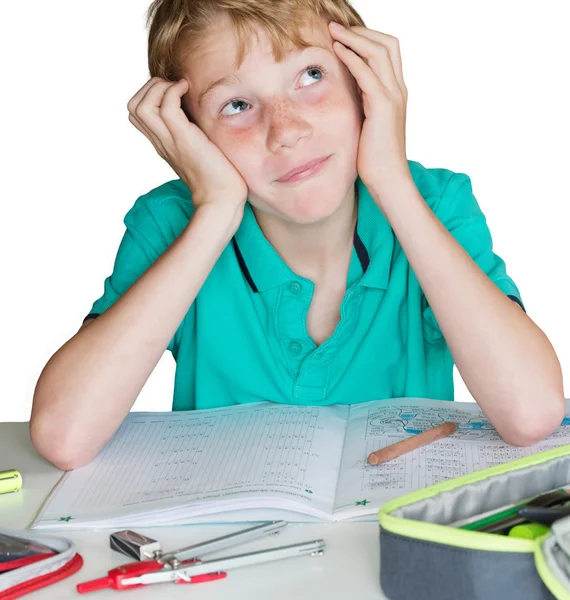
[(267, 461)]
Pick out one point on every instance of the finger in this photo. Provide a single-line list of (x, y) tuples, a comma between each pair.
[(375, 55), (393, 45), (172, 114), (132, 106), (148, 112), (135, 100), (365, 77), (136, 106)]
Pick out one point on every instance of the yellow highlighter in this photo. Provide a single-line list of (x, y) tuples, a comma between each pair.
[(10, 481)]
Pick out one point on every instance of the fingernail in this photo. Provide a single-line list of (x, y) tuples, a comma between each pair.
[(336, 26), (372, 459)]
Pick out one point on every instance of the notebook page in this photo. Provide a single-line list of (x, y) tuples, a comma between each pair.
[(475, 445), (164, 460)]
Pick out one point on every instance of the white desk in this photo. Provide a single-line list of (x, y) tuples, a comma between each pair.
[(348, 569)]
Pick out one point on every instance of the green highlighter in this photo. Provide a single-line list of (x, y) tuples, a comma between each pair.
[(505, 520), (10, 481)]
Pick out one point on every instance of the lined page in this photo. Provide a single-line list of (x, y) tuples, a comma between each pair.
[(163, 460)]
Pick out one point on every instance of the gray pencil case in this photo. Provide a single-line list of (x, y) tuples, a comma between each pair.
[(422, 557)]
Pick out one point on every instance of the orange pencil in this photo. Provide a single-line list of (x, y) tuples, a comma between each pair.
[(420, 439)]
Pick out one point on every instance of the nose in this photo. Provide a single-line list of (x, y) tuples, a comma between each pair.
[(286, 125)]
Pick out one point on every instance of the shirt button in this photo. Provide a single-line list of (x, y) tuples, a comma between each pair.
[(295, 348), (295, 287)]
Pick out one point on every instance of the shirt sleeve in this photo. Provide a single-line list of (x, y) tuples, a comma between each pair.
[(460, 213), (146, 237)]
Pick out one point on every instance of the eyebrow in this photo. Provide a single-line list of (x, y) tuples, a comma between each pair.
[(231, 79)]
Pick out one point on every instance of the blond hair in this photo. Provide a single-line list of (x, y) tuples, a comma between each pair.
[(176, 27)]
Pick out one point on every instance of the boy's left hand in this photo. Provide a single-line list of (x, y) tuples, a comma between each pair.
[(374, 60)]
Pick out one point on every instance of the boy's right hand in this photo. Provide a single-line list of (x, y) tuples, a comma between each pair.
[(156, 111)]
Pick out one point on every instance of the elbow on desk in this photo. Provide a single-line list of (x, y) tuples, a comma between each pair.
[(60, 452), (538, 427)]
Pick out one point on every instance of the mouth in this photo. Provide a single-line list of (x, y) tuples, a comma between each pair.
[(305, 171)]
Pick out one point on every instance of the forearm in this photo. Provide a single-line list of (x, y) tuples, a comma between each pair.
[(89, 385), (506, 361)]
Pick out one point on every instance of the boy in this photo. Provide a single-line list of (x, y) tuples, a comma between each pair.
[(363, 276)]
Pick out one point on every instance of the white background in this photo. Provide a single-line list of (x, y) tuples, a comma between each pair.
[(487, 97)]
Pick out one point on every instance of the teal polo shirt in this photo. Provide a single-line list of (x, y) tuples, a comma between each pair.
[(244, 339)]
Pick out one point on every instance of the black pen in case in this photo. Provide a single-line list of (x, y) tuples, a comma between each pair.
[(544, 515), (503, 526)]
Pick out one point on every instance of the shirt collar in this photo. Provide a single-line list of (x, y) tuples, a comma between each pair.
[(373, 248)]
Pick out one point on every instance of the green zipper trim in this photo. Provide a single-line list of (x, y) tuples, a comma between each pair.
[(557, 589), (464, 538), (451, 536)]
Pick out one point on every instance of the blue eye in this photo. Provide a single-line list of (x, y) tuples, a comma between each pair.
[(315, 68), (237, 101), (232, 103)]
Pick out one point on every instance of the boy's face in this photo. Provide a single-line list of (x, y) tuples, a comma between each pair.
[(278, 117)]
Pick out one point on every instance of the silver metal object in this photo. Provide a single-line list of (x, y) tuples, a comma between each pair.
[(312, 548), (225, 541)]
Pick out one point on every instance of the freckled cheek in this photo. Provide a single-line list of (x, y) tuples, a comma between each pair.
[(329, 106), (339, 109)]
